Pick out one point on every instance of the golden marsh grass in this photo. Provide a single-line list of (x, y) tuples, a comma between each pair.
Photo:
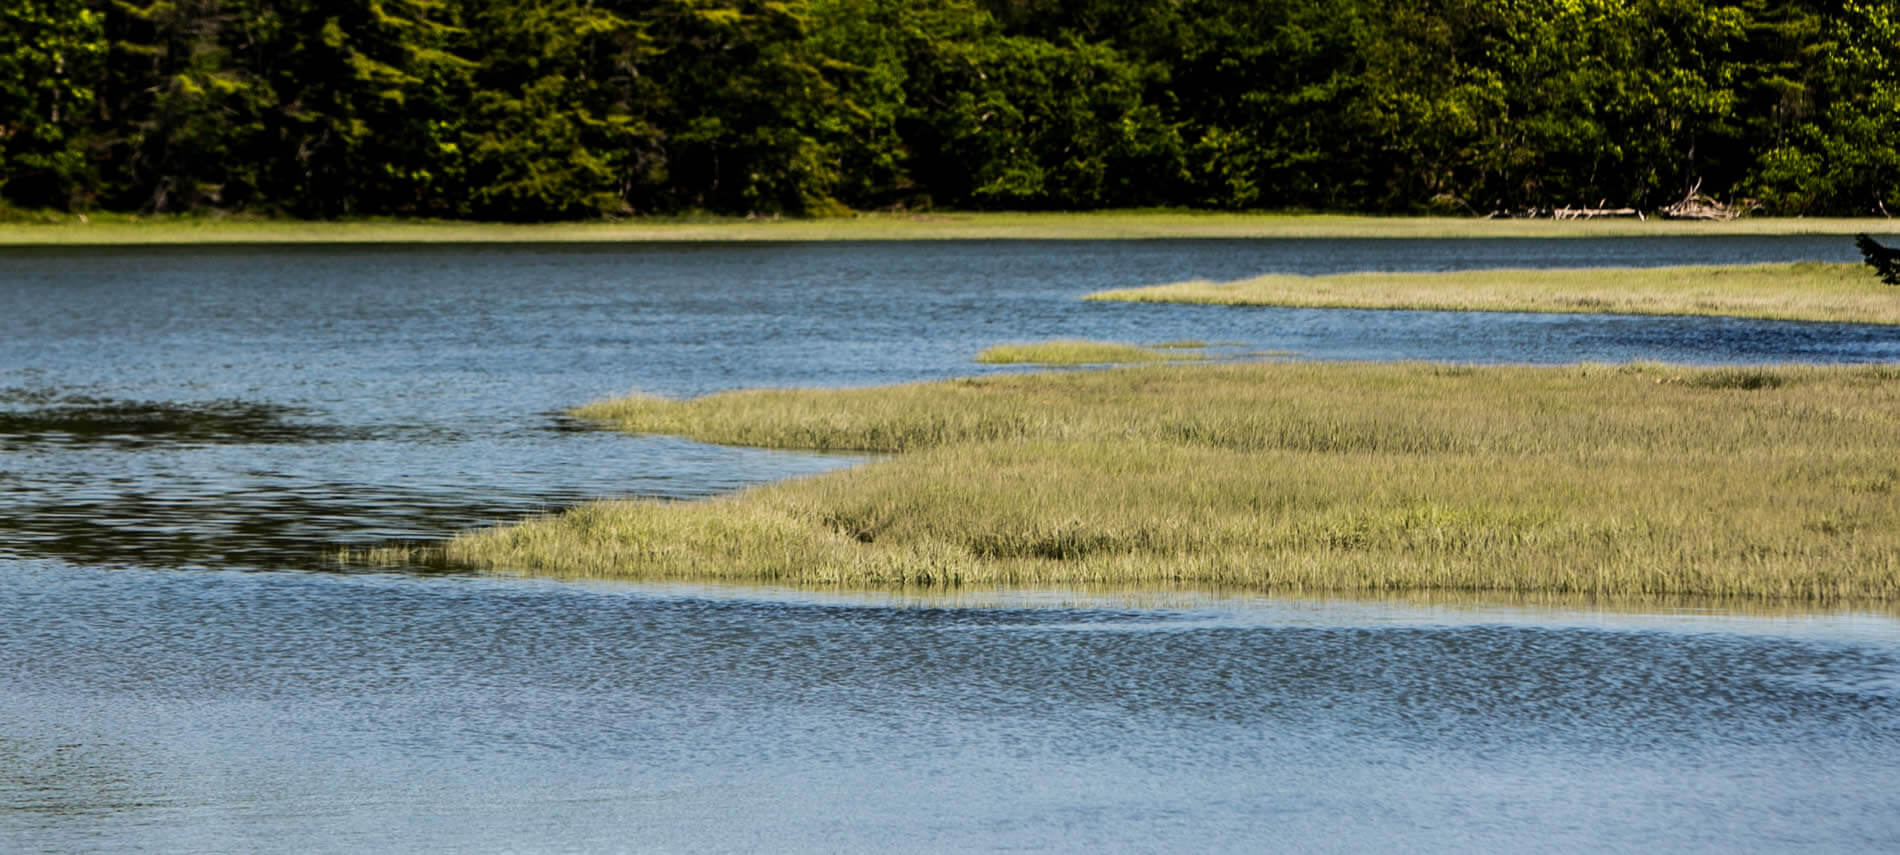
[(1080, 352), (1632, 480), (1794, 292)]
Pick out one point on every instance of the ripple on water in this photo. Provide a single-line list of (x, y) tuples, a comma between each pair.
[(320, 707)]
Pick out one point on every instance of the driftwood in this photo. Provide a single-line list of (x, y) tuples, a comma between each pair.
[(1695, 206), (1593, 213), (1699, 208), (1564, 213)]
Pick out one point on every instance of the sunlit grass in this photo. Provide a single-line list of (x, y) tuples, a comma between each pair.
[(1077, 352), (1796, 292), (51, 228), (1648, 480)]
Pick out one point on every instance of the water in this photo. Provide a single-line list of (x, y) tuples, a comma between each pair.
[(186, 435), (219, 711)]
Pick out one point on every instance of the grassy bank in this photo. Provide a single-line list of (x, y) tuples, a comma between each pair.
[(1650, 480), (1795, 292), (111, 229)]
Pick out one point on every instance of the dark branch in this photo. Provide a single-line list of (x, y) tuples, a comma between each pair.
[(1885, 261)]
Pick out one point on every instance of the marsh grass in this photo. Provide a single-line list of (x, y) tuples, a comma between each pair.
[(1644, 480), (1795, 292), (1080, 352), (54, 228)]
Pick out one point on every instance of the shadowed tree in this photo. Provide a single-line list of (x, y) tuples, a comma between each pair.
[(51, 54), (556, 123)]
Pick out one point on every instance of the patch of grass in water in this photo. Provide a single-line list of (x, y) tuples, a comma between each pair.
[(1848, 293), (1601, 480), (1081, 352)]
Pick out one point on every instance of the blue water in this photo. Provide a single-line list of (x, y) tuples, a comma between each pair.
[(186, 435)]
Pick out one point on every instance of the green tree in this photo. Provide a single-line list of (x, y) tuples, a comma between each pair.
[(1266, 94), (1846, 157), (748, 115), (1606, 100), (877, 53), (368, 105), (1039, 124), (556, 124), (51, 54), (182, 119)]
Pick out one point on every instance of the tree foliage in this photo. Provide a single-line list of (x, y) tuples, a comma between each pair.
[(560, 109), (50, 55)]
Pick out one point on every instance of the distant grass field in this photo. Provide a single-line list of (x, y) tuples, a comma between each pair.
[(120, 229), (1796, 292), (1775, 483)]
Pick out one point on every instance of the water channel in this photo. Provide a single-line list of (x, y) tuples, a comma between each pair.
[(188, 434)]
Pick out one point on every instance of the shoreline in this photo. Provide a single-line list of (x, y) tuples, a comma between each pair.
[(1480, 605), (127, 230)]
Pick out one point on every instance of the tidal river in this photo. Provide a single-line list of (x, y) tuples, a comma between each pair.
[(188, 435)]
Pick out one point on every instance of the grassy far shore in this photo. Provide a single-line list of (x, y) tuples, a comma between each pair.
[(1769, 483), (1797, 292), (122, 229)]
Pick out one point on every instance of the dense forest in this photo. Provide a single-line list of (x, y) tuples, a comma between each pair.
[(561, 109)]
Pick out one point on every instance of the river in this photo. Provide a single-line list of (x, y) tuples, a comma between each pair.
[(188, 434)]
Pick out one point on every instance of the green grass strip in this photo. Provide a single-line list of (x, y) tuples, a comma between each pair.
[(57, 229), (1775, 483), (1848, 293)]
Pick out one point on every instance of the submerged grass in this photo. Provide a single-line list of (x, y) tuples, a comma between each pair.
[(1080, 352), (1796, 292), (1643, 479), (51, 229)]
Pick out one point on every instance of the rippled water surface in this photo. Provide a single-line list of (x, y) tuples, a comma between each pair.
[(187, 435)]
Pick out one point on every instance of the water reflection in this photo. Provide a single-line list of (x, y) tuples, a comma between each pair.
[(73, 780), (1439, 607), (137, 424), (236, 486)]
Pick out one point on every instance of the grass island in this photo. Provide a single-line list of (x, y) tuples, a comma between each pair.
[(1084, 352), (1774, 483), (1837, 293)]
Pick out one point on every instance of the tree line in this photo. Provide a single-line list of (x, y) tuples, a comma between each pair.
[(563, 109)]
